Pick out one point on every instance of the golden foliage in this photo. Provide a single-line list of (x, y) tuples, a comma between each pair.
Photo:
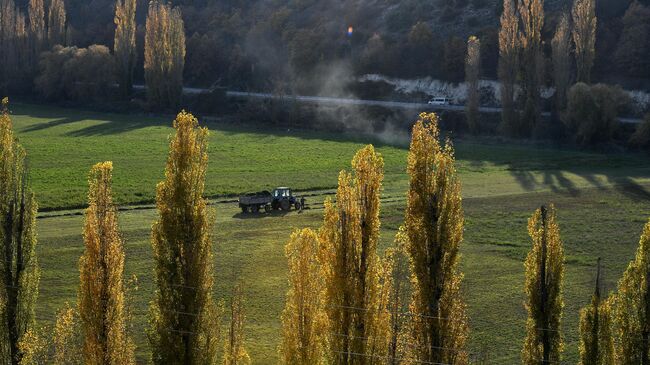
[(472, 73), (596, 342), (395, 283), (67, 344), (584, 37), (531, 13), (164, 54), (543, 286), (508, 66), (19, 271), (632, 307), (124, 43), (434, 228), (303, 318), (183, 313), (34, 348), (101, 270), (234, 351), (357, 317)]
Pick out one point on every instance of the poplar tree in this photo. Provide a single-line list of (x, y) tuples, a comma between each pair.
[(531, 13), (584, 37), (472, 71), (14, 46), (164, 55), (56, 23), (396, 269), (561, 62), (124, 44), (596, 343), (434, 229), (183, 317), (37, 35), (19, 269), (509, 47), (234, 351), (543, 286), (66, 339), (632, 308), (101, 269), (357, 322), (303, 318)]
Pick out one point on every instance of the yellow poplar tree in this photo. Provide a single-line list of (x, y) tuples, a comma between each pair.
[(303, 318), (472, 73), (434, 230), (509, 47), (101, 269), (56, 19), (531, 13), (124, 44), (357, 322), (584, 37), (36, 32), (596, 343), (66, 341), (632, 308), (184, 317), (19, 272), (561, 47), (396, 270), (234, 351), (544, 274)]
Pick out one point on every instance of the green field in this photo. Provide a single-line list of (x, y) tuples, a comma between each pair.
[(603, 202)]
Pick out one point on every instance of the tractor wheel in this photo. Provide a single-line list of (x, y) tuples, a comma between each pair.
[(244, 209), (285, 205), (297, 206), (267, 208), (255, 209)]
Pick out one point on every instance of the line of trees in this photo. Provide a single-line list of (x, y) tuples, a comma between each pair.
[(346, 304)]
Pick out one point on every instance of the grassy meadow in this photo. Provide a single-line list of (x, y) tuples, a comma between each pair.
[(603, 202)]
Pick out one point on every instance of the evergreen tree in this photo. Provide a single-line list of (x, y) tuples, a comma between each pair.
[(56, 23), (164, 55), (531, 13), (357, 321), (596, 343), (234, 351), (509, 48), (584, 37), (303, 318), (434, 228), (101, 288), (544, 274), (124, 45), (561, 63), (472, 73), (184, 319), (632, 308), (19, 272)]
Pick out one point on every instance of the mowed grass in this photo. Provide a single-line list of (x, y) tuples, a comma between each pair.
[(603, 202)]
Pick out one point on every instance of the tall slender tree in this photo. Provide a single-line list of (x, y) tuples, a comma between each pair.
[(234, 350), (37, 35), (632, 308), (596, 342), (303, 318), (472, 73), (351, 267), (56, 23), (184, 318), (101, 289), (164, 55), (434, 228), (396, 269), (19, 270), (584, 37), (509, 47), (124, 44), (561, 62), (544, 275), (531, 13)]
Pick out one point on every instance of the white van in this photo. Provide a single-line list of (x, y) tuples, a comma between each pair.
[(440, 101)]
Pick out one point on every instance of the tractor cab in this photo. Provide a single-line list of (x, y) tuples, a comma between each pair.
[(280, 193), (283, 199)]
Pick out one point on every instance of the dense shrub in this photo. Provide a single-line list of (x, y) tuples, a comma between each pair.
[(592, 112), (641, 138), (75, 73)]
